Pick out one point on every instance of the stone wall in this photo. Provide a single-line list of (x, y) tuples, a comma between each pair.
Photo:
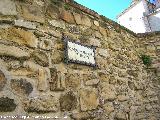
[(35, 81)]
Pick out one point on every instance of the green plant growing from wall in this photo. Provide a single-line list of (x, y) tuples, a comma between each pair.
[(146, 59)]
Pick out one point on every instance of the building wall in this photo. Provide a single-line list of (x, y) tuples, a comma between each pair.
[(133, 19), (154, 20), (35, 81)]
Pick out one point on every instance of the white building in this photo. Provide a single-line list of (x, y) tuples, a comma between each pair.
[(142, 16)]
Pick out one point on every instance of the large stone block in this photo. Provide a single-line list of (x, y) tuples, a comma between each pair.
[(86, 21), (77, 18), (12, 51), (7, 104), (68, 101), (7, 7), (42, 104), (88, 99), (20, 36), (3, 80), (21, 86), (58, 24)]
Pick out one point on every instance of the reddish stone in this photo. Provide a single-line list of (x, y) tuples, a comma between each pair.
[(67, 16)]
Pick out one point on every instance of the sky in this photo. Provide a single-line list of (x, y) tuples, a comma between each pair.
[(108, 8)]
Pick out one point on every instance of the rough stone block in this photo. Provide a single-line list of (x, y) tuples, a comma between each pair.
[(80, 116), (7, 104), (3, 80), (122, 98), (42, 104), (42, 80), (86, 21), (21, 86), (41, 58), (108, 92), (109, 108), (12, 52), (92, 82), (67, 16), (95, 42), (121, 116), (68, 101), (77, 18), (88, 99), (57, 81), (103, 53), (46, 44), (7, 7), (25, 24), (58, 24), (96, 23)]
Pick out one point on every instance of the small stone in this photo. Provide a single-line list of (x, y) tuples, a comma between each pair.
[(108, 92), (7, 104), (80, 116), (77, 18), (67, 16), (96, 23), (21, 86), (98, 35), (95, 42), (122, 98), (88, 99), (12, 52), (42, 104), (120, 116), (103, 31), (46, 44), (25, 24), (3, 80), (41, 58), (58, 24), (57, 57), (109, 107), (92, 82), (86, 21), (7, 7), (42, 80), (151, 48), (103, 53), (68, 101)]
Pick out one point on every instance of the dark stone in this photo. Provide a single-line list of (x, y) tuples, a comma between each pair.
[(21, 86), (3, 80), (68, 102), (7, 104), (41, 58)]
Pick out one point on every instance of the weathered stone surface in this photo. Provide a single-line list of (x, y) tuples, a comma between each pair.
[(7, 7), (25, 24), (88, 99), (58, 24), (41, 58), (7, 104), (122, 98), (3, 80), (97, 34), (92, 82), (95, 42), (103, 31), (68, 101), (77, 18), (57, 57), (42, 80), (21, 86), (57, 81), (120, 116), (33, 13), (67, 16), (109, 107), (42, 104), (12, 51), (20, 36), (103, 53), (86, 21), (108, 91), (73, 81), (80, 116)]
